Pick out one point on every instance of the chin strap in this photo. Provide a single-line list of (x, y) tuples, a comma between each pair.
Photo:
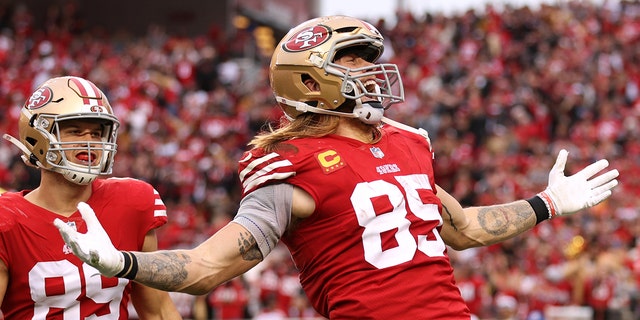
[(370, 112), (303, 107)]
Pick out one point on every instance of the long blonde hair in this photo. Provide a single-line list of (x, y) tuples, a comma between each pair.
[(303, 126)]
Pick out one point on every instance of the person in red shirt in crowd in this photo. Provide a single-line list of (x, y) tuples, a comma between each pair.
[(601, 286), (269, 309), (350, 192), (229, 301), (506, 307), (473, 287), (68, 130)]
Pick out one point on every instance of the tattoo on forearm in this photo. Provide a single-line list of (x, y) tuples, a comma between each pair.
[(498, 220), (166, 271), (249, 247), (494, 220), (451, 222)]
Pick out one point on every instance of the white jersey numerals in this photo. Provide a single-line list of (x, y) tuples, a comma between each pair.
[(376, 223), (45, 277)]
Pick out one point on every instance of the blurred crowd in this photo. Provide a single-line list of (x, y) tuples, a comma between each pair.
[(499, 91)]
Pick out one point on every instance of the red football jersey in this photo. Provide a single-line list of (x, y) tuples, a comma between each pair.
[(46, 280), (371, 250)]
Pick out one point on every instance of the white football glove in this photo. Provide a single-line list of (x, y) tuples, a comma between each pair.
[(566, 195), (94, 247)]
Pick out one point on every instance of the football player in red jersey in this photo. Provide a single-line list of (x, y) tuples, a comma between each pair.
[(349, 191), (67, 129)]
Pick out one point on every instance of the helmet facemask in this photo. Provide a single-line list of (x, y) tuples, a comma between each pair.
[(380, 82), (103, 151)]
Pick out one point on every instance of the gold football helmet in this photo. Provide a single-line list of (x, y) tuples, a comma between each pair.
[(309, 51), (58, 100)]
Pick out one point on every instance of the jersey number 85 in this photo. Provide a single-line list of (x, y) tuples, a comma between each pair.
[(376, 223)]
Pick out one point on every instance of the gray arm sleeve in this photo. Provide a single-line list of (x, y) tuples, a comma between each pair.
[(266, 213)]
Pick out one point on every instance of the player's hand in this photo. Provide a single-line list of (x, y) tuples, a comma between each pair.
[(94, 247), (581, 190)]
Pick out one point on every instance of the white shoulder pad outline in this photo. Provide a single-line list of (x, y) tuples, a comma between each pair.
[(405, 127)]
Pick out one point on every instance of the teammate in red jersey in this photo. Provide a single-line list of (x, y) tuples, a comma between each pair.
[(350, 192), (67, 129)]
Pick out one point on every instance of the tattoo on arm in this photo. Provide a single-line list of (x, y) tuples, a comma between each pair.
[(499, 220), (249, 247), (165, 271), (451, 222)]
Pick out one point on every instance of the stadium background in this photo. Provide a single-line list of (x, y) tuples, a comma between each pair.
[(500, 92)]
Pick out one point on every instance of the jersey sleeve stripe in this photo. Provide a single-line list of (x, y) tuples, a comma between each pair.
[(159, 213)]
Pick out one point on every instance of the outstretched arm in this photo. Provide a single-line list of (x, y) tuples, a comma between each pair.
[(227, 254), (478, 226)]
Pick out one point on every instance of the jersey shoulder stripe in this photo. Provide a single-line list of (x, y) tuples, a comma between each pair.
[(256, 171)]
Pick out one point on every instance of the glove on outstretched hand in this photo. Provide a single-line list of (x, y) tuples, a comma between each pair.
[(94, 247), (566, 195)]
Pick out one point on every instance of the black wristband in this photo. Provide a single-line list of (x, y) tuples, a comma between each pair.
[(540, 208), (130, 268)]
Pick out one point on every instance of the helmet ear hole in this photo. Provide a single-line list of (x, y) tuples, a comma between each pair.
[(31, 141), (309, 82)]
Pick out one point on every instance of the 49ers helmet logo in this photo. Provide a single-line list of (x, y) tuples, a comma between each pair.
[(308, 38), (39, 98)]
